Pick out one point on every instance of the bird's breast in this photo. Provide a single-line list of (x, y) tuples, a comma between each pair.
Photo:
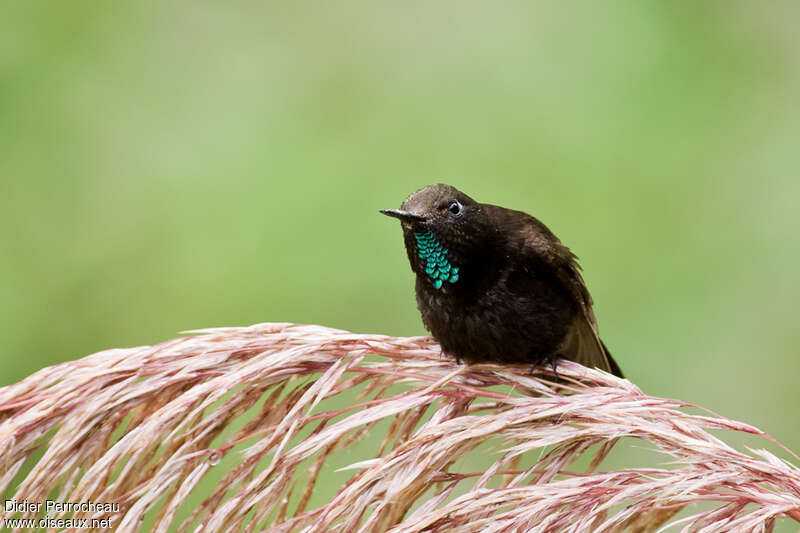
[(494, 323)]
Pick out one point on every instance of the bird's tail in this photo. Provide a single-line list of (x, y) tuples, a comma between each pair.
[(582, 345), (613, 364)]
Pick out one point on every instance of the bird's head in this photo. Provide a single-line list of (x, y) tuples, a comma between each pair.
[(442, 227)]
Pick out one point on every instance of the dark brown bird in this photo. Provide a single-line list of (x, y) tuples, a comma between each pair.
[(495, 285)]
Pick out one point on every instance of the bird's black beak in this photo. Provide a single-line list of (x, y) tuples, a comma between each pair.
[(405, 216)]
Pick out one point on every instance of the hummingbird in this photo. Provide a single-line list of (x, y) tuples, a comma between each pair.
[(496, 285)]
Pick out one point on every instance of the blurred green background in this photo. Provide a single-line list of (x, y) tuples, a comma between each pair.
[(168, 166)]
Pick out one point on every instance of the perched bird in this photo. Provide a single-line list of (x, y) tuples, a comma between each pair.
[(495, 285)]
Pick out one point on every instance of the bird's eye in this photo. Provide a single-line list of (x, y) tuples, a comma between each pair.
[(454, 208)]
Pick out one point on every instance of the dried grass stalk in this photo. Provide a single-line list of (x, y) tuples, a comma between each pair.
[(136, 427)]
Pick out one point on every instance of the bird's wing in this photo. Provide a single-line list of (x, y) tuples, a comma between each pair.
[(582, 343)]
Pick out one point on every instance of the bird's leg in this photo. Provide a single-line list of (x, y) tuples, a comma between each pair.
[(445, 355), (554, 364), (552, 360)]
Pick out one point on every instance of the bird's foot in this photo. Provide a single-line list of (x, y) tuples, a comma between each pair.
[(552, 360), (446, 355)]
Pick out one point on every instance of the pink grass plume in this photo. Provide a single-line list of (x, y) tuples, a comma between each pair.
[(275, 405)]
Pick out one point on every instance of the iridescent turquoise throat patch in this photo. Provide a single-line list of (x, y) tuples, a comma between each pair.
[(437, 267)]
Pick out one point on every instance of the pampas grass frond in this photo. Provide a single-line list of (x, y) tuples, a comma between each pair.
[(141, 428)]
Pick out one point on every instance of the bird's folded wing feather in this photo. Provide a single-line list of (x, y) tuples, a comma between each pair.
[(582, 343)]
